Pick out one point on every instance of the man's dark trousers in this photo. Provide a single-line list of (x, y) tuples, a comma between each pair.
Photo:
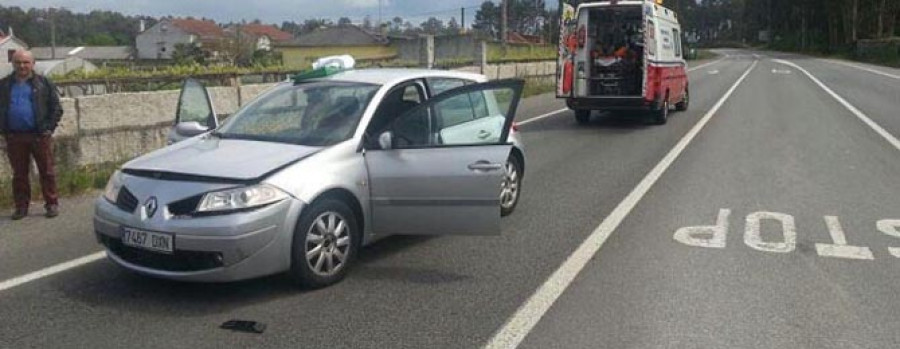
[(21, 148)]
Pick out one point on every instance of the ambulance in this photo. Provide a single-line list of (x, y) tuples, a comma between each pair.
[(621, 55)]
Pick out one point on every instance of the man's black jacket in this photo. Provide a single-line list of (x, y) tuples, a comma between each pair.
[(45, 99)]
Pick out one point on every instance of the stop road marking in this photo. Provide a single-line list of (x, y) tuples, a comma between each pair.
[(714, 236)]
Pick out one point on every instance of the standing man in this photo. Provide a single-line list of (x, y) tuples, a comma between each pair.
[(29, 113)]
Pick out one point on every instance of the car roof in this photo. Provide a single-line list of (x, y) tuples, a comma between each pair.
[(391, 76)]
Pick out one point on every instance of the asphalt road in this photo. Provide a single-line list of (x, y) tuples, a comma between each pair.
[(780, 158)]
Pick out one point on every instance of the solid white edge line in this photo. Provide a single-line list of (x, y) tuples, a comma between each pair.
[(865, 119), (529, 313), (834, 61), (707, 64), (17, 281), (542, 116), (552, 113)]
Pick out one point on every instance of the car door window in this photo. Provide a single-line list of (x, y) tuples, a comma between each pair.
[(194, 105), (474, 116), (398, 101), (441, 85)]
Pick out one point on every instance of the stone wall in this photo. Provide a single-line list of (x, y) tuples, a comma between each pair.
[(117, 127)]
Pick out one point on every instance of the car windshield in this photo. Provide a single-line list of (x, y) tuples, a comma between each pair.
[(317, 113)]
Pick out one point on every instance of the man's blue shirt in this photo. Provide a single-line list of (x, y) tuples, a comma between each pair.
[(21, 108)]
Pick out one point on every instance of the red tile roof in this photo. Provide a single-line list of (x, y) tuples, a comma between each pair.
[(206, 29), (261, 29)]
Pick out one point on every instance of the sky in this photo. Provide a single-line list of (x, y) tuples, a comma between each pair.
[(269, 11)]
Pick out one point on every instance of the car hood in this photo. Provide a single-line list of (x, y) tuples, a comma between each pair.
[(221, 158)]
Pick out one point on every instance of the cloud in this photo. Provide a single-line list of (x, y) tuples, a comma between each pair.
[(365, 3)]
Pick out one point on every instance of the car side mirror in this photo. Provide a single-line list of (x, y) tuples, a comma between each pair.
[(190, 128), (385, 140)]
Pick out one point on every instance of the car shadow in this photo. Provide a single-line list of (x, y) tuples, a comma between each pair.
[(105, 285)]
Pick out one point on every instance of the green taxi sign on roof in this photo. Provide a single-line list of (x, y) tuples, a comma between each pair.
[(316, 73), (326, 66)]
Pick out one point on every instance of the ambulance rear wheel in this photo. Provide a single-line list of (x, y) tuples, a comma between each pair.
[(583, 116), (683, 105), (661, 115)]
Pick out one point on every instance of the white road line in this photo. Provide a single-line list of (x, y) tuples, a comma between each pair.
[(527, 316), (865, 119), (542, 116), (861, 68), (75, 263), (707, 64), (552, 113)]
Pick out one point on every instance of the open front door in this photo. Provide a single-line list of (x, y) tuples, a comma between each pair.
[(195, 114), (438, 168), (568, 46)]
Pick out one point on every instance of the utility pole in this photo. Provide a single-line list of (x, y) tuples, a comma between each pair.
[(379, 16), (462, 16), (503, 23)]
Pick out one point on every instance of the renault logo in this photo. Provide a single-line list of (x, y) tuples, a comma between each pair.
[(150, 205)]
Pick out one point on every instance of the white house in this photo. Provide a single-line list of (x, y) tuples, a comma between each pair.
[(158, 42), (8, 45)]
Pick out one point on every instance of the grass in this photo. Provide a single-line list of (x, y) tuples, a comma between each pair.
[(537, 86), (70, 182)]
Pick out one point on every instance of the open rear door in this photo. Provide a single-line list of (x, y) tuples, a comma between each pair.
[(568, 44)]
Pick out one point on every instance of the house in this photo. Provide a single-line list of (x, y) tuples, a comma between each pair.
[(336, 40), (94, 54), (158, 42), (9, 43), (264, 35)]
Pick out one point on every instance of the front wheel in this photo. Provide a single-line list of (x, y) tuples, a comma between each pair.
[(325, 244), (511, 186)]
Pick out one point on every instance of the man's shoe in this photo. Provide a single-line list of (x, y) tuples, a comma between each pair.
[(52, 211), (19, 214)]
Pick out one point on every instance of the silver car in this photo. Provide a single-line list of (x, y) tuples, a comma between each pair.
[(304, 175)]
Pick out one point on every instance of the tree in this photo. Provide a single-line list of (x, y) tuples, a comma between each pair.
[(432, 26), (344, 21), (487, 20), (188, 54), (452, 27)]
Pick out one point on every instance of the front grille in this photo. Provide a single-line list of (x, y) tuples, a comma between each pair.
[(177, 261), (126, 200), (185, 207)]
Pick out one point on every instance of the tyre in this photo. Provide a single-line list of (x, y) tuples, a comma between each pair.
[(661, 115), (511, 187), (326, 241), (583, 116), (685, 101)]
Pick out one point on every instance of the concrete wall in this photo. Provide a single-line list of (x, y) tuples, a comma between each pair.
[(445, 47), (118, 127)]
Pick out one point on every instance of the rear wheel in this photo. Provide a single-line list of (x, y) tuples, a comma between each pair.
[(325, 243), (661, 115), (683, 105), (583, 116), (511, 186)]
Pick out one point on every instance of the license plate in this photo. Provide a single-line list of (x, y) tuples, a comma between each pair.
[(147, 240)]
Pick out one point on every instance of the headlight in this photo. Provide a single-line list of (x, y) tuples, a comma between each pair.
[(240, 198), (111, 192)]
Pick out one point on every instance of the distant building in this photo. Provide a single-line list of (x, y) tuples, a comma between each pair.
[(264, 35), (336, 40), (95, 54), (63, 66), (9, 43), (158, 42)]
